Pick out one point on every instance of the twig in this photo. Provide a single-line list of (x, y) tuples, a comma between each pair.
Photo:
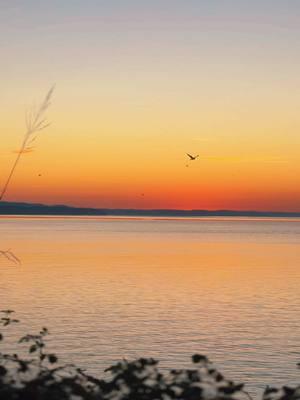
[(10, 256)]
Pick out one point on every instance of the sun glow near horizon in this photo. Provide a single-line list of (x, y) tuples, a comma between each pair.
[(139, 86)]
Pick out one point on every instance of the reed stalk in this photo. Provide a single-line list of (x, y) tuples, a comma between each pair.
[(36, 121)]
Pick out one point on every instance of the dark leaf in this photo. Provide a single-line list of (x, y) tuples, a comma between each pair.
[(52, 358), (196, 358), (33, 348), (3, 370)]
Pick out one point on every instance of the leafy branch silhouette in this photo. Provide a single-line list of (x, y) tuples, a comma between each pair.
[(40, 376)]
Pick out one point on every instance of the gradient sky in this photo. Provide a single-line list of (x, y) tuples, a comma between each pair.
[(139, 84)]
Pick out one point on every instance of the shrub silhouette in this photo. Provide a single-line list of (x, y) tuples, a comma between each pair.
[(40, 377)]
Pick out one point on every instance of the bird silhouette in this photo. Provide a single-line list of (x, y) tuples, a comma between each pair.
[(192, 157)]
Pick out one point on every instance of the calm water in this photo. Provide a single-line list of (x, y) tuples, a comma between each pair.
[(227, 288)]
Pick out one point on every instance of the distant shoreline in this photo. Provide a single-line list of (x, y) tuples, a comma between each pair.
[(31, 209)]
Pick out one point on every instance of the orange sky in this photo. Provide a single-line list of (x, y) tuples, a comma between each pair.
[(137, 87)]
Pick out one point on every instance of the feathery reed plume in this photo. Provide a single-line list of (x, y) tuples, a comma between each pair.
[(10, 256), (36, 121)]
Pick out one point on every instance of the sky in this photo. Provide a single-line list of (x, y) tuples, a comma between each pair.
[(138, 85)]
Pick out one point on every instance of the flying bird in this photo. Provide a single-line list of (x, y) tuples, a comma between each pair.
[(192, 157)]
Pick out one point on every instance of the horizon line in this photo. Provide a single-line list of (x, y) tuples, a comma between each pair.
[(29, 205)]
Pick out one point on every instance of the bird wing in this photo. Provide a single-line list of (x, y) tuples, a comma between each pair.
[(191, 157)]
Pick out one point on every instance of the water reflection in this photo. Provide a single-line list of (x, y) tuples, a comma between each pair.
[(168, 288)]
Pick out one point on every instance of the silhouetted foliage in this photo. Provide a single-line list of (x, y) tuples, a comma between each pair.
[(40, 377)]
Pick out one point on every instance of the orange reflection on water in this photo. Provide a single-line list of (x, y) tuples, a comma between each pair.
[(165, 288)]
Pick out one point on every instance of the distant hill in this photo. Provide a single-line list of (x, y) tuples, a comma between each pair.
[(11, 208)]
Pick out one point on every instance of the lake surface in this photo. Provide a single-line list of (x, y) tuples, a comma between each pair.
[(112, 288)]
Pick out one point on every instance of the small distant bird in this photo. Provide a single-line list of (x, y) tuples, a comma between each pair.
[(192, 157)]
